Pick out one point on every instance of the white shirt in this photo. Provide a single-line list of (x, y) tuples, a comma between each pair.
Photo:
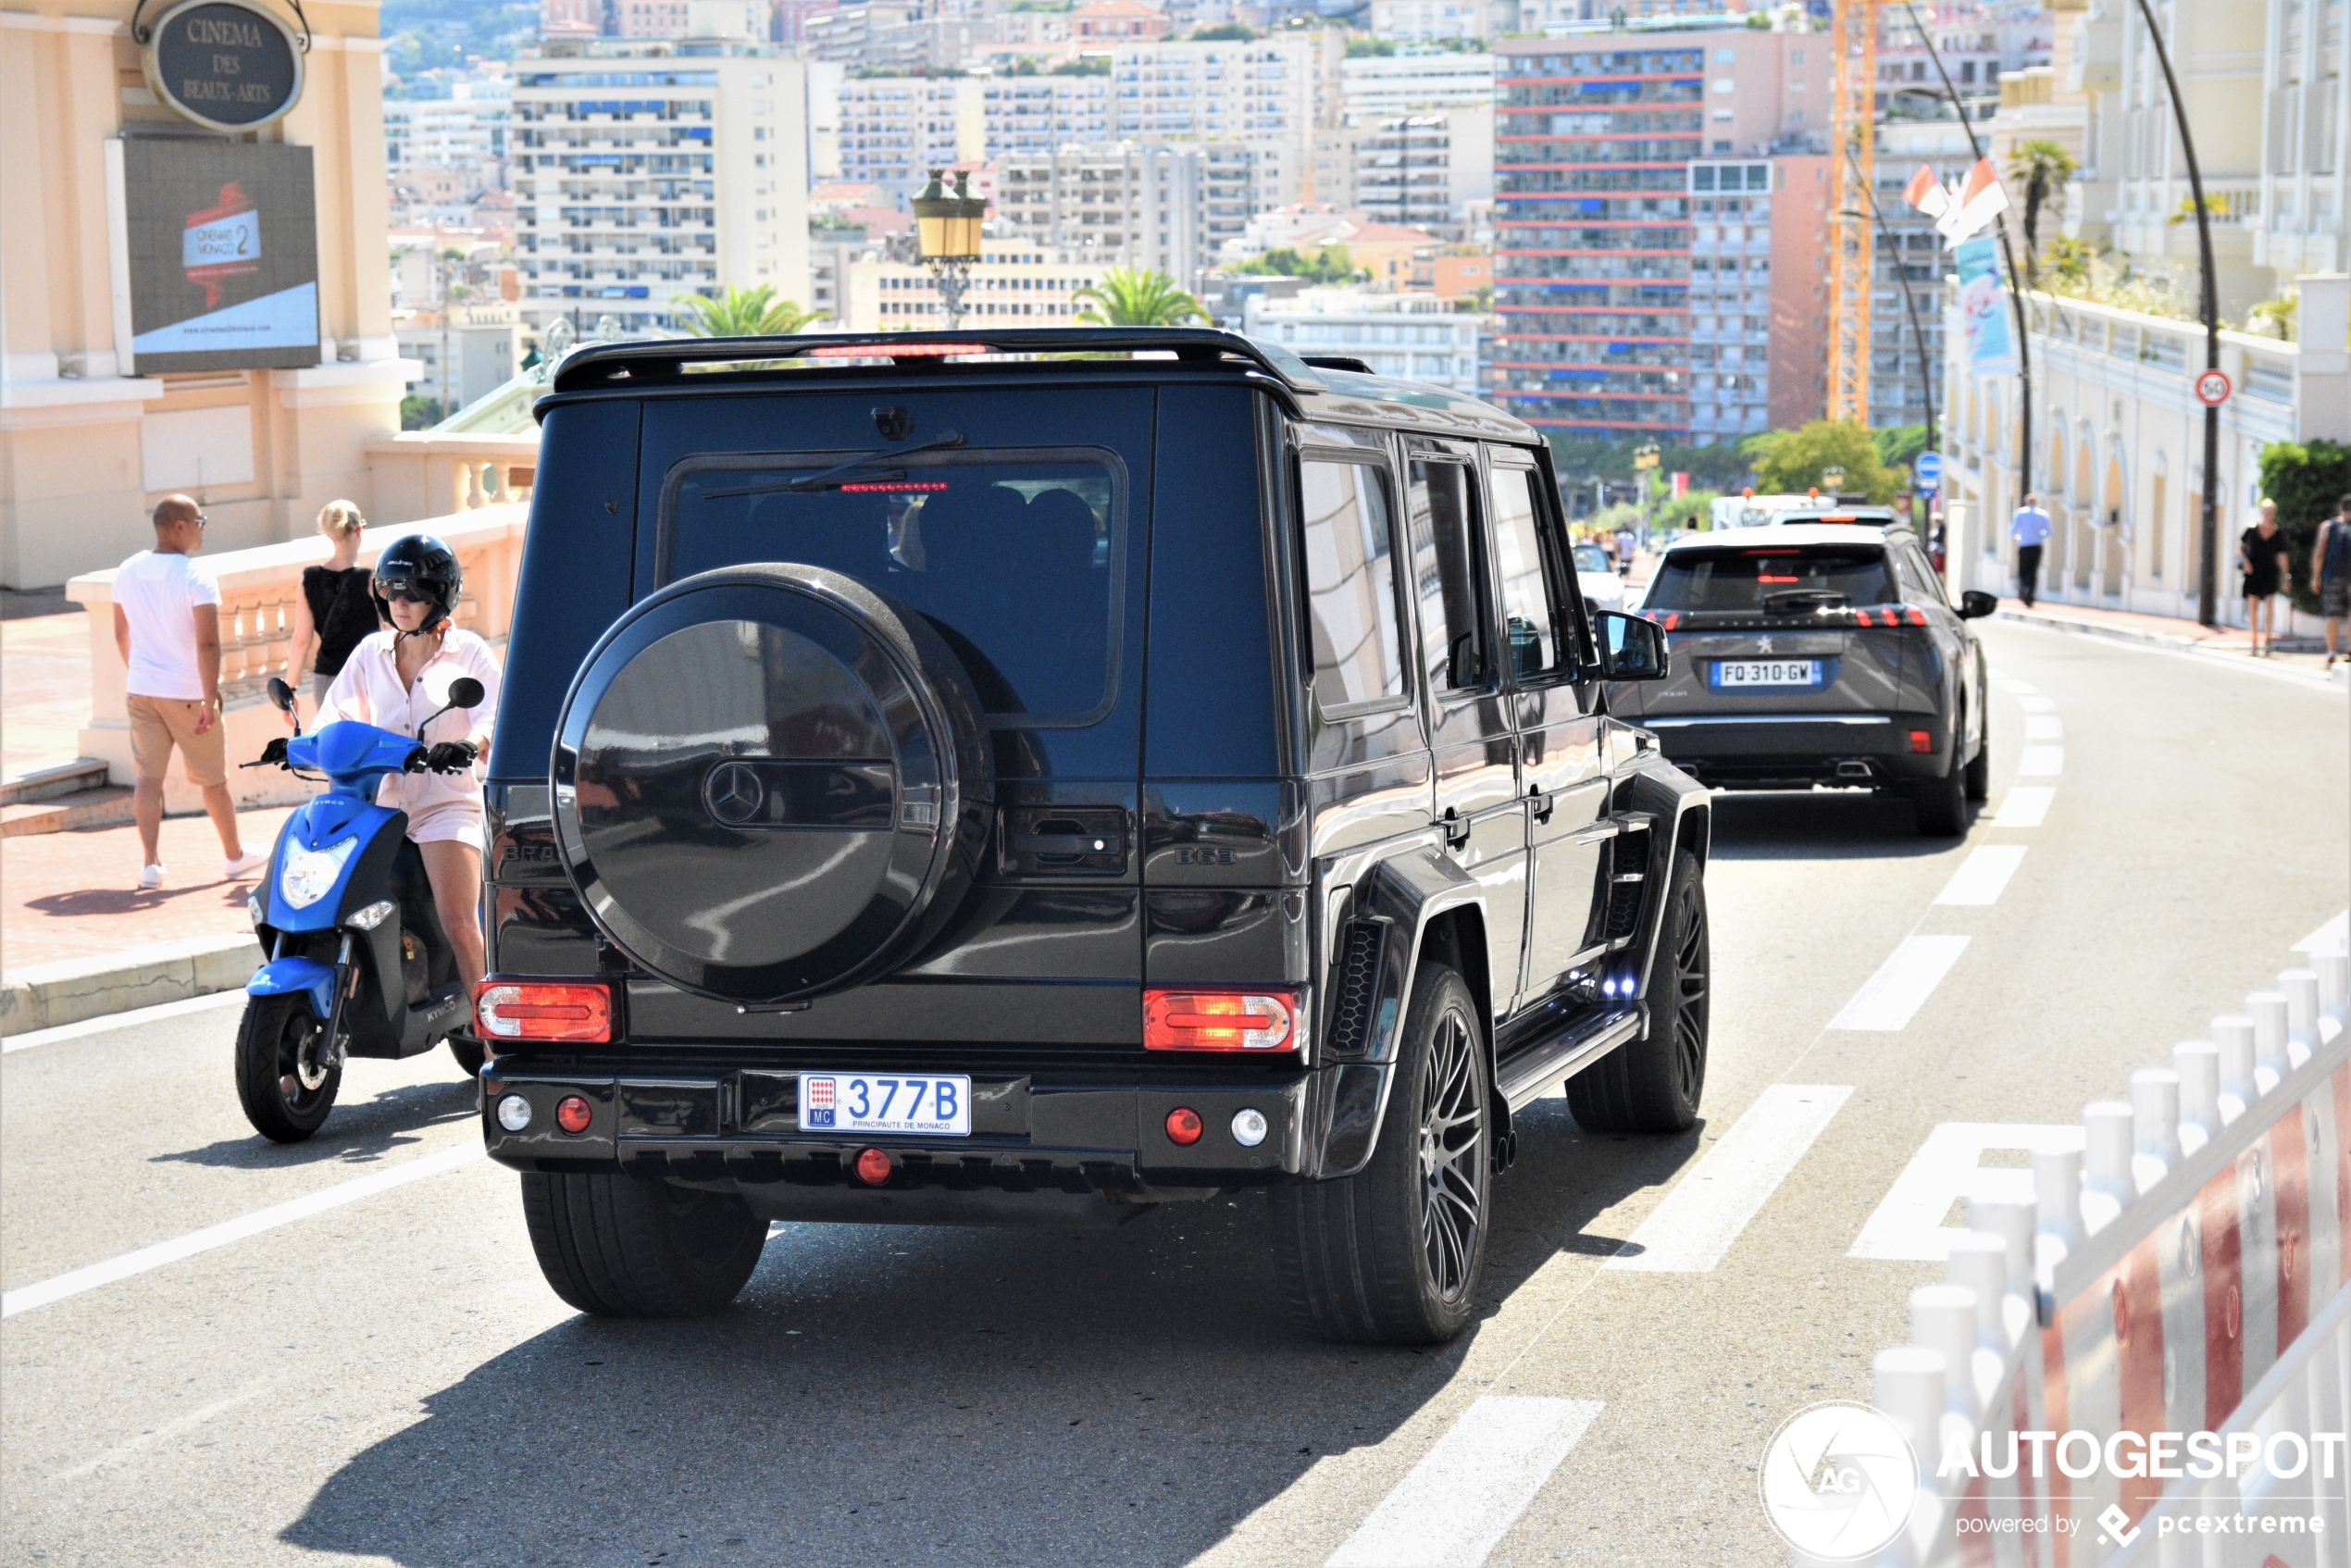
[(369, 690), (159, 594)]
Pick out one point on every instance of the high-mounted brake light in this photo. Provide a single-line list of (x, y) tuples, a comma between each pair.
[(1191, 1020), (894, 351), (542, 1010)]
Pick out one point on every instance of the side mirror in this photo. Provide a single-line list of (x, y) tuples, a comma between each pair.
[(1975, 604), (465, 692), (1632, 648), (282, 694)]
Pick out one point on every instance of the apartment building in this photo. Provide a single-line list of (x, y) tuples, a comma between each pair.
[(893, 35), (1605, 149), (743, 20), (1374, 88), (1907, 249), (1014, 283), (893, 130), (1980, 43), (482, 342), (1434, 171), (465, 134), (645, 170), (1125, 204), (1417, 337), (1272, 92), (1429, 21)]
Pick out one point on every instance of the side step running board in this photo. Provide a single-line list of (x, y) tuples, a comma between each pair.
[(1535, 1072)]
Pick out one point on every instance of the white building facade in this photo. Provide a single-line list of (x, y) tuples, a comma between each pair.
[(1014, 284), (1125, 204), (467, 133), (1381, 87), (1417, 337)]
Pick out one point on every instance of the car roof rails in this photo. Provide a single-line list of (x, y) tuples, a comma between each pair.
[(657, 360)]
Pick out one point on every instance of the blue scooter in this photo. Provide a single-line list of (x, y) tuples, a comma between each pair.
[(358, 963)]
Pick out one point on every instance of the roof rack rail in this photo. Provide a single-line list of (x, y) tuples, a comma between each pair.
[(663, 359)]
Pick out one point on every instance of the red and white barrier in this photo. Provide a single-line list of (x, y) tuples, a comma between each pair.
[(2175, 1299)]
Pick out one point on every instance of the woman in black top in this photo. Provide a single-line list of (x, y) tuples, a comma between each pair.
[(336, 609), (2261, 553)]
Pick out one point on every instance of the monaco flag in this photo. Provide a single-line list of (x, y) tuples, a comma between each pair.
[(1963, 208), (1926, 194)]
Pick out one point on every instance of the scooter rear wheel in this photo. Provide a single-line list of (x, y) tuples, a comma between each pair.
[(284, 1099)]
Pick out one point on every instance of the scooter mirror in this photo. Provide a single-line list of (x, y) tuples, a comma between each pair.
[(282, 694), (465, 692)]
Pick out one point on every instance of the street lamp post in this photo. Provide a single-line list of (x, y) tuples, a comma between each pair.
[(2208, 586), (947, 237)]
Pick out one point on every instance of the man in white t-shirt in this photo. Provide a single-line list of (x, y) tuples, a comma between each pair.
[(167, 621)]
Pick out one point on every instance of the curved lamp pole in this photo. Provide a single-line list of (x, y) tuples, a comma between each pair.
[(947, 237), (2207, 585)]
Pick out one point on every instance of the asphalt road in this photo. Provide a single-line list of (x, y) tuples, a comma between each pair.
[(387, 1380)]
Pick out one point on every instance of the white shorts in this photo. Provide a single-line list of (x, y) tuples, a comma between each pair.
[(451, 821)]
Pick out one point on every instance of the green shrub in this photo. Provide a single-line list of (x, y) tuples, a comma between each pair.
[(2306, 480)]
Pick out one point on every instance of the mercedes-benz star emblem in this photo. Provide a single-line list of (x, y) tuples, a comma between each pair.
[(734, 794)]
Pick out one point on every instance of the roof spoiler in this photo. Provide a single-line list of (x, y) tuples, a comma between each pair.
[(665, 359)]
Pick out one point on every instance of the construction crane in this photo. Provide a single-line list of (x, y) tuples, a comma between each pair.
[(1852, 112)]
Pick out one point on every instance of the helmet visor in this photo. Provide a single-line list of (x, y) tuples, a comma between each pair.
[(396, 588)]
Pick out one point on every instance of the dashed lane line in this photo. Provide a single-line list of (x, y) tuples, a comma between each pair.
[(1907, 1224), (2036, 704), (2332, 937), (2024, 806), (1890, 998), (2040, 762), (1981, 876), (1690, 1231), (239, 1229), (2015, 687), (1461, 1498), (2043, 727)]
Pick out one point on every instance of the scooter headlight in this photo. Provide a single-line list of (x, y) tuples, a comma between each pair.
[(308, 874)]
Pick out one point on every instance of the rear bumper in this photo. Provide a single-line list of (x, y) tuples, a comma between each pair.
[(1044, 1150), (1750, 751)]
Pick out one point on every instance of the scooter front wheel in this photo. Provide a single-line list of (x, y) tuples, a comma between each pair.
[(286, 1095)]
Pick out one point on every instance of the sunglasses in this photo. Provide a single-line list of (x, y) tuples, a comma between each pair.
[(401, 593)]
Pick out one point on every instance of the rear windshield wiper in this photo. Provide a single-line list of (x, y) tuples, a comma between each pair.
[(839, 473), (1794, 599)]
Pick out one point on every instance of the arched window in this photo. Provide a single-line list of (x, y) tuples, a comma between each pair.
[(2157, 530)]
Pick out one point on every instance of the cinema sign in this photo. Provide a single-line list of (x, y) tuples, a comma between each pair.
[(224, 64)]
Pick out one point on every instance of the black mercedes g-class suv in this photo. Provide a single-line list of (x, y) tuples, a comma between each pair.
[(1042, 774)]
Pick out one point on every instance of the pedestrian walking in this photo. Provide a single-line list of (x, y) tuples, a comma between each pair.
[(2261, 556), (2030, 529), (1625, 545), (167, 622), (2331, 577), (336, 607)]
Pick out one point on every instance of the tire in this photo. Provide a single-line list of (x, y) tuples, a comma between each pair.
[(469, 1054), (1393, 1254), (1979, 770), (270, 1081), (1653, 1084), (615, 1245), (1940, 804)]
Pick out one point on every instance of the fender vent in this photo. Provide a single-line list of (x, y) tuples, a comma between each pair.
[(1354, 985), (1627, 881)]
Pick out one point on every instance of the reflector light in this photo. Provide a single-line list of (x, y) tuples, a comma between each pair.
[(537, 1009), (894, 351), (873, 1167), (573, 1114), (1183, 1126), (1922, 741), (1189, 1020)]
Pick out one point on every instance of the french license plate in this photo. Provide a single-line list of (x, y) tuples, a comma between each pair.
[(1766, 672), (937, 1106)]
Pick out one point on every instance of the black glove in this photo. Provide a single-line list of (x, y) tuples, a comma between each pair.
[(449, 756), (275, 752), (416, 761)]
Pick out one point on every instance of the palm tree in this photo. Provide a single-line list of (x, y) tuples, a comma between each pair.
[(2042, 167), (742, 312), (1134, 296)]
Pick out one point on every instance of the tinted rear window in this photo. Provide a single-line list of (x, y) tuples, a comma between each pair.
[(1749, 579), (1010, 554)]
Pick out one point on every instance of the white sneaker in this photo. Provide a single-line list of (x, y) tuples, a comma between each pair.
[(245, 865), (150, 878)]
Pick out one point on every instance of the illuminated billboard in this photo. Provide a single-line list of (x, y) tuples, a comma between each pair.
[(223, 251)]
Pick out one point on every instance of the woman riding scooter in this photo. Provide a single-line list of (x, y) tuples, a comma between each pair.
[(395, 678)]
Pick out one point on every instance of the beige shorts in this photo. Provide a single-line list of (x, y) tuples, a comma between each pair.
[(157, 724)]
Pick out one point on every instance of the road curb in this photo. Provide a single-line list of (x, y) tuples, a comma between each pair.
[(41, 996), (2124, 634)]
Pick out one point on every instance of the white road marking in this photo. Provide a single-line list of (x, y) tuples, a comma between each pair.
[(2043, 727), (2024, 806), (1947, 1168), (1901, 983), (1695, 1226), (1982, 875), (2036, 704), (165, 1433), (131, 1019), (1465, 1495), (239, 1229), (2018, 688), (2332, 937), (2040, 762)]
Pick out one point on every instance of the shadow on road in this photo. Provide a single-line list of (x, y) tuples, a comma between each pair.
[(357, 1132), (903, 1395), (1818, 825)]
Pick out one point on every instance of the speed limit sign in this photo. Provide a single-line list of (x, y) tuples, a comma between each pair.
[(2212, 388)]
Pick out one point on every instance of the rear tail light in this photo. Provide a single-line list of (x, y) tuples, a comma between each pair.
[(542, 1010), (1914, 615), (1861, 618), (1183, 1126), (1190, 1020), (1922, 741), (1672, 618), (573, 1114)]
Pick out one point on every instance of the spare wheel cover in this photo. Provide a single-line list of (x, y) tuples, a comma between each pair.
[(765, 779)]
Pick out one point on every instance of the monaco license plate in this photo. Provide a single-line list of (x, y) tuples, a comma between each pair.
[(1766, 672), (930, 1104)]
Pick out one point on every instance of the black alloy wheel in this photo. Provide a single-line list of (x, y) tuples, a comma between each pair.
[(1689, 996), (1653, 1084), (284, 1090), (1940, 804), (1453, 1154)]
